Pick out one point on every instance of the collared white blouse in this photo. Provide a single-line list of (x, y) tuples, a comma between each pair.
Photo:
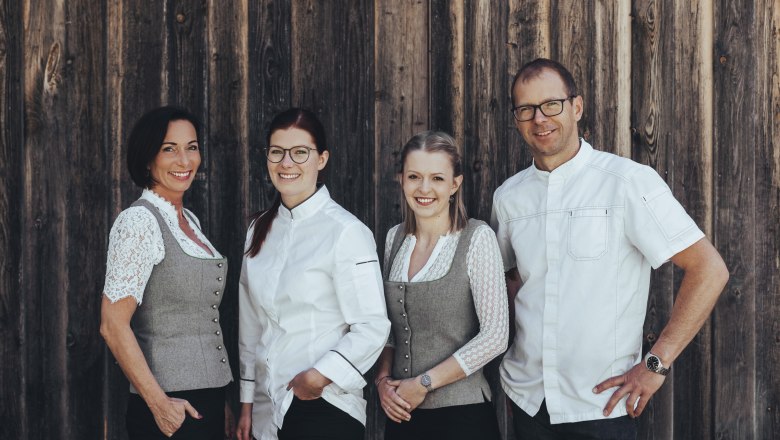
[(583, 238), (135, 246), (312, 297)]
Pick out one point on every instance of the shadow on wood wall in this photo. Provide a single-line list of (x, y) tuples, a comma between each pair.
[(690, 88)]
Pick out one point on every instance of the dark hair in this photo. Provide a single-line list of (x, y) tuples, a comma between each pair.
[(536, 67), (435, 142), (291, 118), (147, 136)]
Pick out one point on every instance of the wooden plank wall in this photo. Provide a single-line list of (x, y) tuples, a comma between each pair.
[(689, 88)]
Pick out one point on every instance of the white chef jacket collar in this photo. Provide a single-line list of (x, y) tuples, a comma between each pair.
[(570, 167), (308, 206)]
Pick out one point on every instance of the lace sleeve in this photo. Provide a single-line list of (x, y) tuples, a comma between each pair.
[(488, 287), (135, 245), (388, 248)]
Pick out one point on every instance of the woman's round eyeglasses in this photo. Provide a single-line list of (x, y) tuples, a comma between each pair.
[(299, 154)]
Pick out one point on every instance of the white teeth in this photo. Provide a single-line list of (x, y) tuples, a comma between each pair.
[(424, 200), (544, 133), (288, 176), (181, 173)]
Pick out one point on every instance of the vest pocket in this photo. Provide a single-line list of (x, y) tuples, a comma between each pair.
[(588, 233)]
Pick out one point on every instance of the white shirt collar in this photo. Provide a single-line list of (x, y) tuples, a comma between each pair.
[(571, 166), (308, 206)]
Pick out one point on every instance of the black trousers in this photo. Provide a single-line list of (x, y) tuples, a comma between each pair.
[(210, 403), (538, 427), (466, 422), (319, 420)]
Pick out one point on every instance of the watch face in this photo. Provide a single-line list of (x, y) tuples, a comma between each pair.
[(425, 380), (652, 363)]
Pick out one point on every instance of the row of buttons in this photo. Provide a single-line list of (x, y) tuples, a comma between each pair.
[(216, 320), (406, 328)]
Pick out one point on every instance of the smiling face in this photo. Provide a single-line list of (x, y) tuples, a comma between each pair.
[(295, 181), (553, 140), (428, 182), (174, 167)]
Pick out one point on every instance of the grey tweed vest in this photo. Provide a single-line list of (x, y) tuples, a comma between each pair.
[(177, 324), (431, 320)]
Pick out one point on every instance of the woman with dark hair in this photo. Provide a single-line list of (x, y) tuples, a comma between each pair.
[(446, 298), (312, 317), (164, 281)]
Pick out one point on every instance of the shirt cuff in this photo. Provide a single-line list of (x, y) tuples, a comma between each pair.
[(338, 369), (247, 392)]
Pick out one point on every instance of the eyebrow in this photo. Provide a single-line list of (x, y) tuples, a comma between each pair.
[(174, 143)]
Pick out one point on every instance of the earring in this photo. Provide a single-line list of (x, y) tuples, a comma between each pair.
[(452, 199)]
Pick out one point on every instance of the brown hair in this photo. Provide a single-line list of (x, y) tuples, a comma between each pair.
[(433, 142), (533, 69), (305, 120)]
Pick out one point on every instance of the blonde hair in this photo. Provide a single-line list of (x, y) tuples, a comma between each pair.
[(435, 142)]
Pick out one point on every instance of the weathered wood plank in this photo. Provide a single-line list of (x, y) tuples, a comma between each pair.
[(767, 178), (593, 54), (487, 84), (736, 123), (13, 404), (346, 110), (401, 107), (528, 38), (227, 150), (668, 49), (402, 100), (446, 67), (186, 72), (137, 62)]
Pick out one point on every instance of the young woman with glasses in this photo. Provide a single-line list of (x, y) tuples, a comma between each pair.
[(446, 299), (312, 317)]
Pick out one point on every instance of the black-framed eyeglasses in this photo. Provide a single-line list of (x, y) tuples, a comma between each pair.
[(299, 154), (553, 107)]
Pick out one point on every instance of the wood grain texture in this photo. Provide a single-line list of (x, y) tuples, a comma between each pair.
[(487, 107), (736, 121), (528, 39), (402, 98), (587, 42), (13, 405), (346, 111), (666, 47), (136, 81), (446, 67), (228, 151), (767, 178)]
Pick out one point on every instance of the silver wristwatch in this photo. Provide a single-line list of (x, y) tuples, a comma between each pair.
[(425, 381), (654, 364)]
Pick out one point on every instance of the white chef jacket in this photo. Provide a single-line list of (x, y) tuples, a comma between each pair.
[(312, 297), (583, 238)]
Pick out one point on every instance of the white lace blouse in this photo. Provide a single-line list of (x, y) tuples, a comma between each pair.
[(135, 246), (488, 288)]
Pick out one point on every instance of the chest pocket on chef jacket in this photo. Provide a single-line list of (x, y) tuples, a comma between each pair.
[(588, 233)]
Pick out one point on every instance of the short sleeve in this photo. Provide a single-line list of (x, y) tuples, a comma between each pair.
[(655, 222), (135, 246)]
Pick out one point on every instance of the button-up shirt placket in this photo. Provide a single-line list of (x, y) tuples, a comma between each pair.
[(553, 231)]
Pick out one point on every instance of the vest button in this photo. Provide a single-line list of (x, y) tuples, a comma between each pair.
[(219, 278), (400, 301), (401, 287), (403, 314), (406, 328), (219, 347), (406, 356), (406, 342), (216, 292), (214, 306), (217, 332), (216, 319), (220, 265), (224, 360), (406, 370)]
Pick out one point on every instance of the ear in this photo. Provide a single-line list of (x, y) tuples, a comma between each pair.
[(456, 184), (323, 160), (578, 107)]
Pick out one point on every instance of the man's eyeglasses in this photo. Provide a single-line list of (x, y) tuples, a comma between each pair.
[(553, 107), (299, 154)]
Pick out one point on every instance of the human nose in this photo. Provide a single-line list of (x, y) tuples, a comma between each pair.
[(183, 156), (538, 115), (287, 159)]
